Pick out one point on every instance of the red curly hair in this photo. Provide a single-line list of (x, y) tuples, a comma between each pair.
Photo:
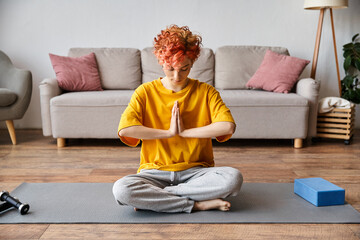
[(174, 43)]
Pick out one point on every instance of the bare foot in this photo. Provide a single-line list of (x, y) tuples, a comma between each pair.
[(212, 204)]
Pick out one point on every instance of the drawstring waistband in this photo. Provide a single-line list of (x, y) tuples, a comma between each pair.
[(172, 176)]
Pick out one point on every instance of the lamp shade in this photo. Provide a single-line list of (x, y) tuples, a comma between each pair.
[(318, 4)]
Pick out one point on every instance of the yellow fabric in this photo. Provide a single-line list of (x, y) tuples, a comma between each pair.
[(200, 104)]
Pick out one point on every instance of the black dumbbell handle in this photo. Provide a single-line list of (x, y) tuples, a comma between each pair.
[(22, 207)]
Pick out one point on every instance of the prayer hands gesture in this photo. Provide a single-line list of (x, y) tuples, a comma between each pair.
[(176, 123), (177, 128)]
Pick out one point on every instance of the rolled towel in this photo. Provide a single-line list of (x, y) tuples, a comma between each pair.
[(329, 103)]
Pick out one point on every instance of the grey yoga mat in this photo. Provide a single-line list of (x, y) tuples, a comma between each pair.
[(94, 203)]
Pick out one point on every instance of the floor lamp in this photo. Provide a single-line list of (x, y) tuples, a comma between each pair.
[(322, 5)]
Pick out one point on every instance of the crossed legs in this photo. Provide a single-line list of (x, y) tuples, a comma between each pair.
[(193, 189)]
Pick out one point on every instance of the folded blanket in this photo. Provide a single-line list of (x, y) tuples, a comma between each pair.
[(329, 103)]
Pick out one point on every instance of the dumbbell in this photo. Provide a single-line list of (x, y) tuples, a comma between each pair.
[(13, 202)]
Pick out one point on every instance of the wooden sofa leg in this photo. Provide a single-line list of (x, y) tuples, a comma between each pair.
[(11, 129), (61, 142), (298, 143)]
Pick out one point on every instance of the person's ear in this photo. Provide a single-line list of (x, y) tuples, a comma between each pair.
[(162, 65)]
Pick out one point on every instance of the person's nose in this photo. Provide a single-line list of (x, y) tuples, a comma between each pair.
[(176, 75)]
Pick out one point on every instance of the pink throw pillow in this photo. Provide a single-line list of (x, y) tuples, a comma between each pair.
[(277, 73), (77, 74)]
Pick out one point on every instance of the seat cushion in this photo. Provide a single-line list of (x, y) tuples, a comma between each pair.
[(262, 114), (7, 97), (235, 65), (257, 98), (285, 122), (88, 114), (93, 99), (119, 68), (203, 69)]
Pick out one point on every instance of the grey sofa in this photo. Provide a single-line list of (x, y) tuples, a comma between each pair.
[(258, 114)]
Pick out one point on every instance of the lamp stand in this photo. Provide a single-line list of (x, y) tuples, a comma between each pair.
[(336, 57), (317, 46)]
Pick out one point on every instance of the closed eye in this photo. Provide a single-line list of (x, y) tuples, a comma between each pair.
[(183, 69)]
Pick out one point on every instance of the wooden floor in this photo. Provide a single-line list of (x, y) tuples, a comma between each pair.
[(37, 159)]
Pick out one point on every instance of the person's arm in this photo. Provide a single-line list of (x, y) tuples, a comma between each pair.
[(142, 132), (212, 130), (223, 125), (215, 129)]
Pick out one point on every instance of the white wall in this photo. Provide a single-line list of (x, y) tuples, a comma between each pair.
[(30, 29)]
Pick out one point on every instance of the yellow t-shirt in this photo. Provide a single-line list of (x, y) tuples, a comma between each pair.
[(200, 104)]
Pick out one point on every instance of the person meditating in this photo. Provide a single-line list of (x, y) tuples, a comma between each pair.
[(176, 117)]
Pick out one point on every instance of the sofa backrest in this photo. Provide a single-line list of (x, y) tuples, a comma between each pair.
[(203, 68), (231, 67), (119, 68), (150, 67), (235, 65)]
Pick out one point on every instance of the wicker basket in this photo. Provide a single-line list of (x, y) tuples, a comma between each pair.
[(338, 123)]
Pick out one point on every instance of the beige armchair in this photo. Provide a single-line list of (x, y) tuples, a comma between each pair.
[(15, 93)]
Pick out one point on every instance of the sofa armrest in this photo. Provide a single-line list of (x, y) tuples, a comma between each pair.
[(49, 88), (309, 89)]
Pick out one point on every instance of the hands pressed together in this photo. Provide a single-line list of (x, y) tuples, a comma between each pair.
[(176, 124), (177, 128)]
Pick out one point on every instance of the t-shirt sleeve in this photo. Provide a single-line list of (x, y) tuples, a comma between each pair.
[(219, 112), (132, 116)]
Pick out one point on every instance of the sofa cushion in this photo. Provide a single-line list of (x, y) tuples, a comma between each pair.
[(277, 73), (150, 67), (7, 97), (119, 68), (262, 114), (270, 122), (77, 73), (203, 69), (235, 65), (257, 98), (88, 114), (93, 99), (85, 121)]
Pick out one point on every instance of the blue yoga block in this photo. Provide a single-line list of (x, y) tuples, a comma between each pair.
[(319, 192)]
